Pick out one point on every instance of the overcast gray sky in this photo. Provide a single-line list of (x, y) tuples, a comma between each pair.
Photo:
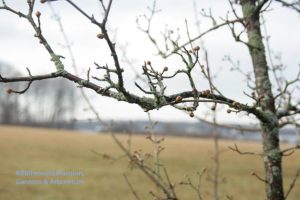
[(19, 48)]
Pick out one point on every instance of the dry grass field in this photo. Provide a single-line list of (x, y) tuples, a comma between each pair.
[(53, 150)]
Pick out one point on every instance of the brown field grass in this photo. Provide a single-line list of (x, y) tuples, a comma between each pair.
[(49, 150)]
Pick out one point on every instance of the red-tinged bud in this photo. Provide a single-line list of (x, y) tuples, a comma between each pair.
[(148, 62), (197, 48), (38, 13), (9, 91), (178, 99), (206, 92), (100, 35)]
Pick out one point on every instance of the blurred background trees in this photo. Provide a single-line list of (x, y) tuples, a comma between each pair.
[(49, 103)]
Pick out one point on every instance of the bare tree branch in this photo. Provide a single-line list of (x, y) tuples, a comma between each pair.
[(295, 4)]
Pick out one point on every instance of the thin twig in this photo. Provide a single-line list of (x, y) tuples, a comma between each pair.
[(258, 177), (292, 185), (131, 187), (236, 149)]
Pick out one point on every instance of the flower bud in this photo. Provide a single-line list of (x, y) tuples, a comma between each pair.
[(206, 92), (235, 104), (9, 91), (213, 107), (38, 13), (178, 99), (197, 48), (192, 114), (100, 35)]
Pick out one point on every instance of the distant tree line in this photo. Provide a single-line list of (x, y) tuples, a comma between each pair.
[(49, 103)]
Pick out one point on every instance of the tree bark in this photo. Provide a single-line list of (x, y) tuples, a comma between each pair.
[(270, 129)]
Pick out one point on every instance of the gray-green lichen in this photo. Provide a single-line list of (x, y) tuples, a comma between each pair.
[(57, 62), (118, 96), (268, 114), (255, 42), (267, 86), (274, 154), (248, 9), (276, 170), (61, 72), (82, 82), (148, 102)]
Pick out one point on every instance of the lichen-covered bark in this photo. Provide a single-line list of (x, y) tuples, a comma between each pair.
[(270, 128)]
